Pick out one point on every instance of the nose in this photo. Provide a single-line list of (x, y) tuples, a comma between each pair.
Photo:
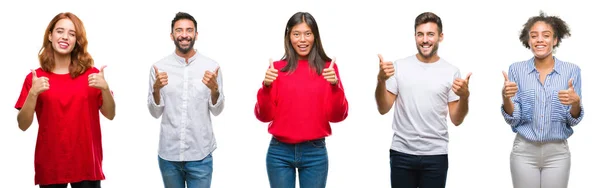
[(539, 39), (302, 38), (426, 39)]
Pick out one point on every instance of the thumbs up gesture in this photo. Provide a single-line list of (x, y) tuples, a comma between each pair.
[(329, 73), (96, 80), (568, 96), (210, 80), (162, 79), (510, 88), (386, 69), (271, 74), (461, 86), (38, 84)]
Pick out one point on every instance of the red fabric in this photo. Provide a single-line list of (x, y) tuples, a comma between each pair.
[(301, 104), (69, 144)]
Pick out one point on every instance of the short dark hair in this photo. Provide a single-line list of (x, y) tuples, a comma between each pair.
[(559, 28), (427, 17), (182, 16)]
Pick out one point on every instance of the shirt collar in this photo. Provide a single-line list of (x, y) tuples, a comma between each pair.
[(182, 60), (558, 65)]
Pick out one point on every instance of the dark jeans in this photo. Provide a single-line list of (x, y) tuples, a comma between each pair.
[(82, 184), (423, 171)]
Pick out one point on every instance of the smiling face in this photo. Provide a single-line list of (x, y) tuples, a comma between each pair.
[(427, 38), (302, 39), (63, 37), (184, 35), (542, 39)]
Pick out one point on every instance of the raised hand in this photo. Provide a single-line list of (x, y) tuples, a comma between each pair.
[(386, 69), (210, 80), (161, 79), (271, 74), (38, 84), (329, 73), (568, 96), (96, 80), (510, 88), (461, 86)]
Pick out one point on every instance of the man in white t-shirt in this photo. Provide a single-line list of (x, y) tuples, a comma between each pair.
[(423, 88)]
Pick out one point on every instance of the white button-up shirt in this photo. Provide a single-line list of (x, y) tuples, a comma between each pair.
[(186, 132)]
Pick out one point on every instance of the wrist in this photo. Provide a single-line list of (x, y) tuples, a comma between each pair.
[(465, 96), (32, 94), (267, 85), (576, 103)]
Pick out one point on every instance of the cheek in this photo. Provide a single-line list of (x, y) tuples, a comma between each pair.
[(54, 38), (552, 41), (294, 41)]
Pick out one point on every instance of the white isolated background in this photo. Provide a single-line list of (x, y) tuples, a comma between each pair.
[(129, 36)]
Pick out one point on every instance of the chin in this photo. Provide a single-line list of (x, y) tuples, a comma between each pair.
[(542, 56), (63, 52)]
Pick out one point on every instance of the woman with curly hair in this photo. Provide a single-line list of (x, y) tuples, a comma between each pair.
[(541, 103)]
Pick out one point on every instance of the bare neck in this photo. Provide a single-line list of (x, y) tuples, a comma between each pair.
[(61, 63), (546, 63)]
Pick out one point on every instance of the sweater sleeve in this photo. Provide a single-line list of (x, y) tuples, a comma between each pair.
[(339, 104), (265, 105)]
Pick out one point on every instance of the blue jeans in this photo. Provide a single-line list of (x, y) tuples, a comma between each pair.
[(423, 171), (196, 174), (310, 158)]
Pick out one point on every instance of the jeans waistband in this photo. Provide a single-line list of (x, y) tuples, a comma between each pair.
[(309, 141)]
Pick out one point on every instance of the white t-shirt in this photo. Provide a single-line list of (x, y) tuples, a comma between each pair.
[(423, 91)]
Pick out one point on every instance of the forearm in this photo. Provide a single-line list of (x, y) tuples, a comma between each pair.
[(461, 110), (508, 106), (217, 102), (263, 110), (214, 96), (156, 95), (575, 110), (339, 108), (25, 115), (108, 104), (383, 105)]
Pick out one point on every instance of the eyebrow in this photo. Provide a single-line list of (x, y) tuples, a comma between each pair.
[(71, 30), (546, 31)]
